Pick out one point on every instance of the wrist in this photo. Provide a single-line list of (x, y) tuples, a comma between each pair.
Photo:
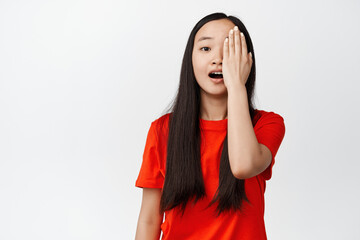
[(236, 88)]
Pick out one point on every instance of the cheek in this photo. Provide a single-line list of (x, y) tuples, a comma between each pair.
[(196, 65), (199, 65)]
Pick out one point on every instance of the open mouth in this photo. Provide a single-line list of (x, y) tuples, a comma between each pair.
[(216, 75)]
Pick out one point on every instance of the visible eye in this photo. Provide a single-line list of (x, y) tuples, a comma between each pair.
[(204, 47)]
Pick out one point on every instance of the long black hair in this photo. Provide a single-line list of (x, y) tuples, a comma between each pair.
[(183, 178)]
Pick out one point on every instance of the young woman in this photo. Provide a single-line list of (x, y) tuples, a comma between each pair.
[(206, 163)]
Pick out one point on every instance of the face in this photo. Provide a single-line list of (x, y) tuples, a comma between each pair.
[(207, 54)]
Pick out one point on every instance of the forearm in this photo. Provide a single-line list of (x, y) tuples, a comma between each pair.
[(243, 146), (147, 231)]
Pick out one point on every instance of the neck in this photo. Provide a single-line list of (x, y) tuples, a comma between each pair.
[(213, 107)]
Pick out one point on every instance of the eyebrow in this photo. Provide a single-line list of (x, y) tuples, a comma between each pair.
[(204, 38)]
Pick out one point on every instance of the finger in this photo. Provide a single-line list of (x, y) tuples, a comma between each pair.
[(231, 42), (243, 45), (226, 48), (237, 41)]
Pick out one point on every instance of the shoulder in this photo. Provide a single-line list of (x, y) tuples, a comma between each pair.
[(160, 124), (162, 120), (269, 124), (264, 116)]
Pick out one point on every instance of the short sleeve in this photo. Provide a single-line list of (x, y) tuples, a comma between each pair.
[(270, 131), (150, 175)]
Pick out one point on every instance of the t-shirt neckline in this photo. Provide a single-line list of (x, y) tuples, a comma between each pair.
[(213, 124), (216, 124)]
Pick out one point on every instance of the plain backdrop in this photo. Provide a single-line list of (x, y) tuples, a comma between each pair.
[(81, 81)]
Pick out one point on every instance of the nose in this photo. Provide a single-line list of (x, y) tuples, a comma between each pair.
[(218, 57), (217, 61)]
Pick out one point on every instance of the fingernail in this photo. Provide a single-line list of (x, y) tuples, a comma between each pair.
[(241, 34), (236, 28), (231, 31)]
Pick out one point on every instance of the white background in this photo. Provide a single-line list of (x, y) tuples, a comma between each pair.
[(81, 81)]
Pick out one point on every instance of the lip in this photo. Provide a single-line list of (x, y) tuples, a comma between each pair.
[(217, 80)]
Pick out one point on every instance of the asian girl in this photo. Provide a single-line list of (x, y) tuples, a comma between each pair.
[(206, 163)]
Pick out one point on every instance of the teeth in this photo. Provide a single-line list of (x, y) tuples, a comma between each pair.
[(215, 75)]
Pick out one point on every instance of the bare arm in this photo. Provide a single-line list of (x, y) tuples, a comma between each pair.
[(247, 157), (149, 221)]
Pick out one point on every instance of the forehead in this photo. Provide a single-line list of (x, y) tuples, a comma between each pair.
[(215, 28)]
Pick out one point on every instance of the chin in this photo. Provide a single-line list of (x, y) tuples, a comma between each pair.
[(216, 91)]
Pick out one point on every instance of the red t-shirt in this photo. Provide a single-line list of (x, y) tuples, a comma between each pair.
[(197, 223)]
